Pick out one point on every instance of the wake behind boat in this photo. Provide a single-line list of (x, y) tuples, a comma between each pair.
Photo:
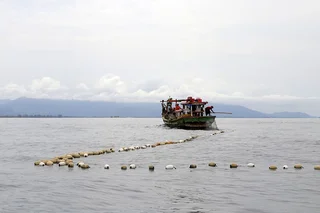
[(190, 113)]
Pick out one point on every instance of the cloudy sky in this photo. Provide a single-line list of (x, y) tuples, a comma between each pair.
[(260, 54)]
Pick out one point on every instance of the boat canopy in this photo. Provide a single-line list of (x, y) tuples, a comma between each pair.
[(187, 101)]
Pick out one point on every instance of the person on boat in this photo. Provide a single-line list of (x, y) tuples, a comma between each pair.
[(208, 110), (199, 100), (163, 109), (169, 102), (177, 110), (177, 107), (190, 100)]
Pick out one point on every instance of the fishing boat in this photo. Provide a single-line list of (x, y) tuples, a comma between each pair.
[(189, 113)]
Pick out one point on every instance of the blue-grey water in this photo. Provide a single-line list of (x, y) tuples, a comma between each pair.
[(264, 142)]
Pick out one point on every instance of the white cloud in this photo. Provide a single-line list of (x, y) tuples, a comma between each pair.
[(11, 88), (112, 88), (46, 84), (12, 91), (111, 83), (82, 86)]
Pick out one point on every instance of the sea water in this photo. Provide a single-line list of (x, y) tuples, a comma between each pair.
[(264, 142)]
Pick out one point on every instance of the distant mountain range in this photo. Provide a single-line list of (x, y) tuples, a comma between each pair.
[(77, 108)]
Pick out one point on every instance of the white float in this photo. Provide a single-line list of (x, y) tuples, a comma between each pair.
[(80, 164), (132, 166), (62, 163), (170, 167)]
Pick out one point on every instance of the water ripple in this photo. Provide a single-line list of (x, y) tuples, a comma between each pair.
[(25, 187)]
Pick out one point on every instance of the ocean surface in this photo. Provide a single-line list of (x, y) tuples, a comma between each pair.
[(264, 142)]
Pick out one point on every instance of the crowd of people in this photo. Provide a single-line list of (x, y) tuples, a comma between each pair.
[(197, 110)]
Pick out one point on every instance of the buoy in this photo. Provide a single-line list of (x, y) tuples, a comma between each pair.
[(85, 155), (132, 166), (96, 153), (37, 163), (108, 151), (60, 160), (90, 153), (120, 150), (71, 165), (106, 166), (151, 168), (285, 167), (63, 163), (298, 166), (123, 167), (193, 166), (69, 156), (233, 165), (317, 167), (273, 167), (55, 160), (44, 161), (42, 164), (170, 167), (112, 149), (251, 165), (69, 162), (49, 163), (85, 166), (212, 164), (153, 145), (148, 145), (143, 147), (80, 164)]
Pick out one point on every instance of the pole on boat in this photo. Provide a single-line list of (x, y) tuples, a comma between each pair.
[(223, 112)]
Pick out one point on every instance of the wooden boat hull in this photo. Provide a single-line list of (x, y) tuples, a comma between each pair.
[(191, 122)]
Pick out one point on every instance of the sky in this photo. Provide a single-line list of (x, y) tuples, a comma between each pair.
[(260, 54)]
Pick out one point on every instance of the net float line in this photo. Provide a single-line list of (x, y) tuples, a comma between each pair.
[(67, 159)]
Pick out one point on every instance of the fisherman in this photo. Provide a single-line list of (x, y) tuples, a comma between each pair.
[(163, 109), (169, 102), (201, 110), (208, 110), (177, 107), (177, 110)]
